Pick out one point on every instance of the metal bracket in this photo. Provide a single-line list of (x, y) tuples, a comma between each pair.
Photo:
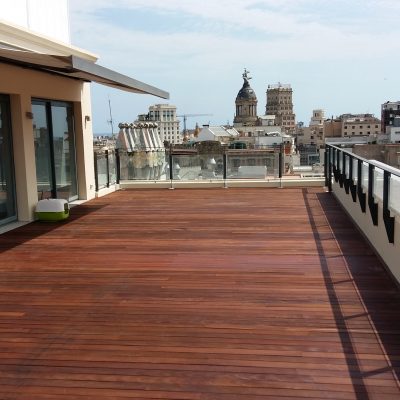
[(373, 207), (361, 195), (388, 220)]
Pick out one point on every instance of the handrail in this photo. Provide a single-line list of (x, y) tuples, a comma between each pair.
[(392, 170), (336, 160)]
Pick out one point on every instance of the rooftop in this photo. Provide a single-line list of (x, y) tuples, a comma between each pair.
[(198, 294)]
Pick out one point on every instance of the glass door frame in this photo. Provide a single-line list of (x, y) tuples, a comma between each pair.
[(6, 98), (49, 120)]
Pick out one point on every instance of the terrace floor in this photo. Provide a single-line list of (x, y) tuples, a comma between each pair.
[(196, 294)]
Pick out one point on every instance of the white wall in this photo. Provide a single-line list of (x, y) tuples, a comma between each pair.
[(15, 11), (375, 234), (22, 85), (46, 17)]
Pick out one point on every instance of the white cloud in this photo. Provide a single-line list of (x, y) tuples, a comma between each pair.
[(313, 41)]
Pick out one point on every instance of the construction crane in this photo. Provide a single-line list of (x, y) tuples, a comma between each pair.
[(185, 116)]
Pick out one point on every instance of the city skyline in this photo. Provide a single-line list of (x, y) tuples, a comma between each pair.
[(338, 57)]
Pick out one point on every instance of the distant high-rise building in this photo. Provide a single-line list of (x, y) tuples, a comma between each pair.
[(390, 110), (314, 133), (318, 117), (168, 124), (280, 104), (246, 104)]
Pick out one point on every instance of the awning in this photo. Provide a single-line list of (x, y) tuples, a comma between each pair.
[(78, 68)]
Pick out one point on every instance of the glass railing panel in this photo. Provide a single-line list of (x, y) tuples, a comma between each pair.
[(378, 183), (242, 165), (112, 167), (101, 170), (193, 167), (347, 167), (364, 173), (355, 170), (394, 194), (340, 156), (144, 165)]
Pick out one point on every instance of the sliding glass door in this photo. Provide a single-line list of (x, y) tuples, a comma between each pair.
[(7, 185), (54, 139)]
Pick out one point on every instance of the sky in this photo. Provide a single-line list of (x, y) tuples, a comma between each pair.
[(339, 55)]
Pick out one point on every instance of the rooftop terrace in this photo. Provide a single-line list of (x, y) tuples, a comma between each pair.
[(243, 293)]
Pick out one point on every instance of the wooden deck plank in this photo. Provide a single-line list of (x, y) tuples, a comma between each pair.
[(197, 294)]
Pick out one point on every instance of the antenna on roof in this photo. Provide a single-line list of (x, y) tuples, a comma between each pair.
[(110, 121)]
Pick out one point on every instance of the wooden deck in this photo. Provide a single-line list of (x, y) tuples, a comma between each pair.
[(196, 294)]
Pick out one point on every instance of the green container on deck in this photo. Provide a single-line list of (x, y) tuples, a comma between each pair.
[(52, 210)]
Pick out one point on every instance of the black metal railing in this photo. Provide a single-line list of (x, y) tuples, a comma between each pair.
[(367, 181)]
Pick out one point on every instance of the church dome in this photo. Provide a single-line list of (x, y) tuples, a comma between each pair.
[(246, 92), (246, 103)]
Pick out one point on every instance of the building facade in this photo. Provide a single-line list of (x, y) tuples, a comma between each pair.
[(353, 125), (280, 104), (46, 138), (360, 125), (314, 133), (389, 111), (168, 123), (392, 132)]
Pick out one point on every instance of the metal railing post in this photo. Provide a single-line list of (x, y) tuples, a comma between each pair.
[(171, 173), (224, 163), (388, 220), (96, 173), (280, 167), (360, 193), (107, 168), (330, 152), (326, 165), (117, 166), (373, 207)]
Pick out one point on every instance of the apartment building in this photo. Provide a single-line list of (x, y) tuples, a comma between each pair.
[(353, 125), (360, 125), (389, 111), (168, 123)]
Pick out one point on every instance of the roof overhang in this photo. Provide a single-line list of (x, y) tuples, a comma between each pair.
[(78, 68)]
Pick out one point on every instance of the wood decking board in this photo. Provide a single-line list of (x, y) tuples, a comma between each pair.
[(197, 294)]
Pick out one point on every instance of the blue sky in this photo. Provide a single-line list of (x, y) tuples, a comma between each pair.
[(338, 55)]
